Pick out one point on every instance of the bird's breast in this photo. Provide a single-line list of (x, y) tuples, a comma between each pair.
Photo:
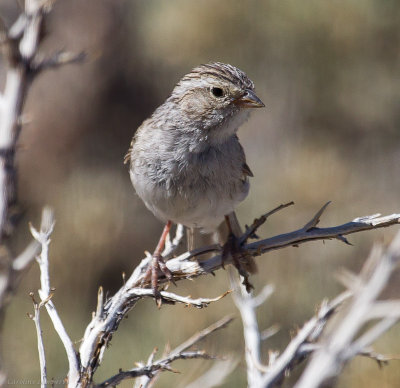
[(193, 188)]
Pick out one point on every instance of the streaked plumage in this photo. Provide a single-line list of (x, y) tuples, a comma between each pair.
[(186, 162)]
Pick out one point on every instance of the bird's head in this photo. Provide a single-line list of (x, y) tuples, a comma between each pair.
[(216, 98)]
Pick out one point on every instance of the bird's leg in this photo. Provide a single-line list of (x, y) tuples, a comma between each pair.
[(158, 263), (242, 261)]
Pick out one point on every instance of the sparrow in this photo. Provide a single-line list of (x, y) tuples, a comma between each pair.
[(186, 162)]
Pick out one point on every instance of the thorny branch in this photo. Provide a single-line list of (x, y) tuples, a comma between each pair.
[(183, 267), (181, 352), (344, 341), (259, 375), (108, 315), (329, 351), (99, 332), (301, 345), (151, 370)]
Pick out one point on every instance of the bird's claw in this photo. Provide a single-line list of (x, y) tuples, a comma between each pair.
[(157, 265)]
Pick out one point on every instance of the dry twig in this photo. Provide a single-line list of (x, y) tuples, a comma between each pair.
[(42, 355), (99, 332), (342, 344), (183, 267), (107, 317), (216, 375), (299, 348), (151, 369), (20, 49), (259, 375), (247, 304), (45, 293), (109, 313)]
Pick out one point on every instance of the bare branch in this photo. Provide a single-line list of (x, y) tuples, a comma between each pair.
[(303, 343), (151, 370), (381, 359), (370, 336), (42, 356), (20, 45), (269, 332), (341, 344), (216, 375), (315, 220), (183, 267), (221, 324), (108, 315), (262, 296), (295, 351), (12, 271), (99, 331), (58, 59), (45, 293), (100, 304), (145, 381), (171, 298), (180, 352), (302, 235), (24, 259), (384, 309), (18, 28), (247, 305), (251, 230), (259, 375)]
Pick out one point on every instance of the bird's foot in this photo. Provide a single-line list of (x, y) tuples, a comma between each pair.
[(241, 259), (152, 274)]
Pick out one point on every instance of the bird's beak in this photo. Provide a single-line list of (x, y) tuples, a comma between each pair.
[(250, 100)]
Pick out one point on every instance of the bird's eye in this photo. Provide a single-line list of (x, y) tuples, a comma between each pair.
[(217, 92)]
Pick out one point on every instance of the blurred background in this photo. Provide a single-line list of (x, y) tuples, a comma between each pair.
[(329, 75)]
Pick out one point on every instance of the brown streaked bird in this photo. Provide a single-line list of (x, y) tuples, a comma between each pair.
[(186, 162)]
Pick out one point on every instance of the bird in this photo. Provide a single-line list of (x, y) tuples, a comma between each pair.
[(186, 162)]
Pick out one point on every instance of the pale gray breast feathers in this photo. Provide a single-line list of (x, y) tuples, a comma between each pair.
[(193, 188)]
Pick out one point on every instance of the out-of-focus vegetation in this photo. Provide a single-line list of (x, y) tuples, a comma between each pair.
[(329, 74)]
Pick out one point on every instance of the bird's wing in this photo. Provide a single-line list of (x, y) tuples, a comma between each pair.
[(245, 167)]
